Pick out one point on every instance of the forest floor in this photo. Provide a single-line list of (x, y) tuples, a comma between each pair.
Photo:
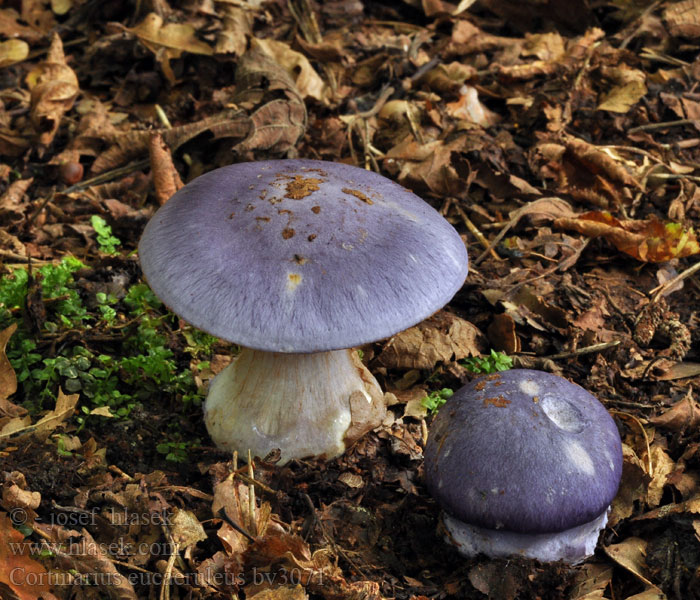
[(560, 137)]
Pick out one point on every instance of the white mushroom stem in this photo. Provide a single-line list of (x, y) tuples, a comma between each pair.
[(571, 545), (304, 404)]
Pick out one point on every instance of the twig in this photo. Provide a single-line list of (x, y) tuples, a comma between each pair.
[(223, 516), (118, 471), (251, 496), (663, 125), (477, 234), (658, 291), (167, 576), (258, 484), (162, 117), (20, 259), (581, 351), (650, 54), (629, 404), (694, 178)]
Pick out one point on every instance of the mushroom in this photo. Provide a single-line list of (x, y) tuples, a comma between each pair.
[(526, 463), (298, 262)]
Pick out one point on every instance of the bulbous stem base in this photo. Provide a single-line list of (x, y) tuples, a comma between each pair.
[(571, 545), (304, 404)]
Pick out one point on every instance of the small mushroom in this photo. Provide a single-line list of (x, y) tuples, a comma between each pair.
[(524, 463), (299, 261)]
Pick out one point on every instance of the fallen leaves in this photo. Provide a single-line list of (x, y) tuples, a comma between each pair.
[(275, 124), (13, 51), (684, 415), (54, 87), (648, 240), (584, 172), (8, 379), (23, 575), (168, 41), (441, 338), (306, 80), (629, 87), (631, 554)]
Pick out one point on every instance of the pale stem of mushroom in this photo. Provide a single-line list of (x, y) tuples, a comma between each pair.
[(304, 404), (571, 545)]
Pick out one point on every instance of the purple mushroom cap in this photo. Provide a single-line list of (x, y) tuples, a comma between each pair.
[(523, 451), (300, 255)]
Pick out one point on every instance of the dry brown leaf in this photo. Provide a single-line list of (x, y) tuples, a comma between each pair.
[(591, 582), (448, 78), (649, 240), (662, 467), (133, 143), (283, 553), (428, 166), (631, 554), (12, 143), (306, 80), (24, 576), (236, 29), (80, 553), (680, 370), (683, 18), (545, 46), (629, 86), (364, 415), (276, 127), (583, 171), (63, 410), (525, 306), (20, 502), (441, 338), (684, 415), (12, 202), (38, 15), (168, 41), (8, 379), (166, 179), (502, 335), (185, 528), (13, 51), (275, 124), (632, 489), (54, 88), (11, 28), (413, 400)]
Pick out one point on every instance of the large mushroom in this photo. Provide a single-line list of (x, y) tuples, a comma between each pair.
[(299, 261), (524, 463)]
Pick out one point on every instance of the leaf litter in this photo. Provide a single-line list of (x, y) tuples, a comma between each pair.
[(560, 140)]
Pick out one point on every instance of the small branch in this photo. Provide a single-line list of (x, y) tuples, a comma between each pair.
[(659, 290), (582, 351), (477, 234), (664, 125)]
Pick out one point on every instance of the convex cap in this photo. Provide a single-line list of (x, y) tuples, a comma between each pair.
[(523, 451), (300, 255)]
